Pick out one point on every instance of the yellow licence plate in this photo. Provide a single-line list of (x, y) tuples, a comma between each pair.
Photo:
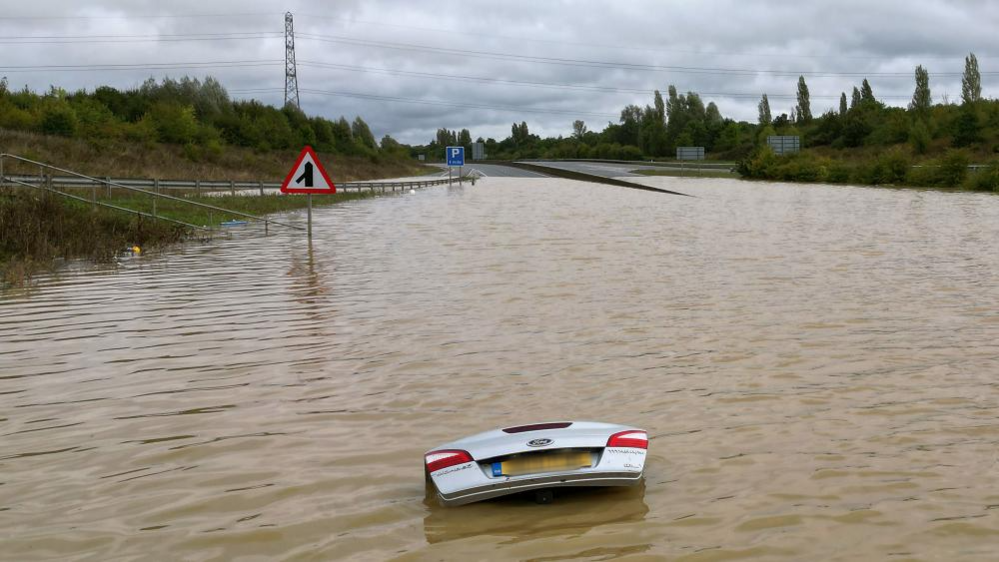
[(543, 462)]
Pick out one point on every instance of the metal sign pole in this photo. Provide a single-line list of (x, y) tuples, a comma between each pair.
[(310, 216), (449, 176), (461, 173)]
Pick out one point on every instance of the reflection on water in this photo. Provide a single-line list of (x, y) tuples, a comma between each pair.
[(816, 367), (572, 512)]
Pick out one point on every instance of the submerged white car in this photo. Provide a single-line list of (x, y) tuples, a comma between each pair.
[(537, 457)]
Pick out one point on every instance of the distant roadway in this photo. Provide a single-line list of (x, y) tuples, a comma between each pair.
[(498, 171), (602, 169)]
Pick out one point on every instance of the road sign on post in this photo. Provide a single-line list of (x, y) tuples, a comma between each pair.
[(455, 158), (309, 177), (784, 144), (690, 153)]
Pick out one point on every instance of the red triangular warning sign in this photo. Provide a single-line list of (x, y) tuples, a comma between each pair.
[(308, 175)]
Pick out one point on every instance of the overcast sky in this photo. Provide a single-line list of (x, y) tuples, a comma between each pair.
[(730, 51)]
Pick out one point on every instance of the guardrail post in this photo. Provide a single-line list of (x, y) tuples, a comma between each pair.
[(107, 181), (262, 194), (93, 195), (156, 190), (232, 188), (197, 187)]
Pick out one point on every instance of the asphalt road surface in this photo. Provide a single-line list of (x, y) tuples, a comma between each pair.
[(620, 170), (602, 169), (499, 171)]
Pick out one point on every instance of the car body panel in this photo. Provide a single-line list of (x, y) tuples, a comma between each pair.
[(473, 481)]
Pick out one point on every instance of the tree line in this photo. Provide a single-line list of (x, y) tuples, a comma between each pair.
[(858, 125), (198, 114), (944, 138)]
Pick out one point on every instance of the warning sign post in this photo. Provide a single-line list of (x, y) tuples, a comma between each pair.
[(308, 177)]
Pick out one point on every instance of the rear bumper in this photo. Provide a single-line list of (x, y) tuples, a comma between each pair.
[(513, 486)]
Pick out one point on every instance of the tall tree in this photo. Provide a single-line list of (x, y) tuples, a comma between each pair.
[(921, 98), (363, 133), (712, 116), (520, 133), (631, 123), (855, 98), (866, 93), (842, 103), (673, 105), (443, 137), (971, 82), (804, 103), (578, 129), (660, 107), (695, 106), (465, 137), (764, 107)]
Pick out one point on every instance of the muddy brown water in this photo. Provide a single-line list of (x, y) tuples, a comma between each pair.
[(817, 367)]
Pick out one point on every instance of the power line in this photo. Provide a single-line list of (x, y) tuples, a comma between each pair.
[(139, 66), (552, 85), (646, 49), (141, 16), (434, 102), (492, 55), (69, 39)]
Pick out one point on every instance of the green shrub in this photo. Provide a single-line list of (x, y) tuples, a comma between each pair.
[(864, 173), (892, 167), (953, 168), (60, 119), (212, 150), (925, 175), (985, 179), (799, 167), (174, 123), (838, 173), (630, 153), (760, 165), (13, 117), (919, 137), (143, 131)]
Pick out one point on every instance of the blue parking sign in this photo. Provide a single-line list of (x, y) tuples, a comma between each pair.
[(455, 155)]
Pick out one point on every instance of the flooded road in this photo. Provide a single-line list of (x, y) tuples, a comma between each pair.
[(817, 368)]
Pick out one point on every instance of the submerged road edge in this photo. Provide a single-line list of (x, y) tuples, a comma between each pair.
[(580, 176)]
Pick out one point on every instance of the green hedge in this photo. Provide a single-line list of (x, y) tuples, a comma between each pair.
[(892, 167)]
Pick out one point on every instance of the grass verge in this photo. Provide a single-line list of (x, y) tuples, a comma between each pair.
[(689, 173), (120, 158), (38, 228)]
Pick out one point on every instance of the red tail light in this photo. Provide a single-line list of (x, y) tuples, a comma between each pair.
[(635, 438), (437, 460), (537, 427)]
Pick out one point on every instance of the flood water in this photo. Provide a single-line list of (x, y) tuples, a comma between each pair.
[(818, 369)]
